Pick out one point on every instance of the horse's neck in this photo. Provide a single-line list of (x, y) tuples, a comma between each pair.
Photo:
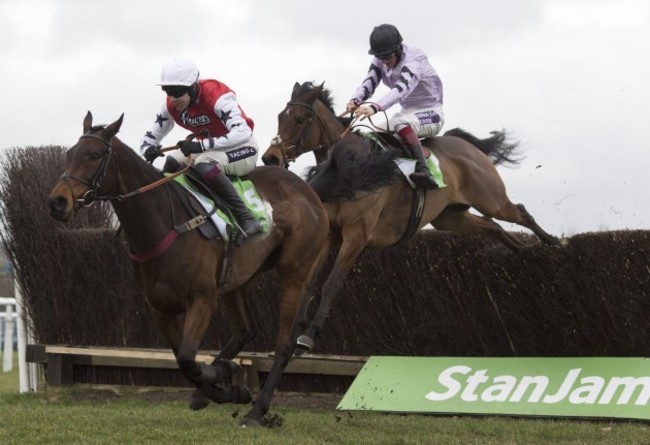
[(145, 217)]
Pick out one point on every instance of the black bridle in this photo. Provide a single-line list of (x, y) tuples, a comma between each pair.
[(94, 183), (300, 142)]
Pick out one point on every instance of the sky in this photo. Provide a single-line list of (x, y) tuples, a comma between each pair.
[(569, 79)]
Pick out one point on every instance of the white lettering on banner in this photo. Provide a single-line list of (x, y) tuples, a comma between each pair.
[(507, 388)]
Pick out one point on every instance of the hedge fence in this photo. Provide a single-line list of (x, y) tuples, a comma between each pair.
[(438, 294)]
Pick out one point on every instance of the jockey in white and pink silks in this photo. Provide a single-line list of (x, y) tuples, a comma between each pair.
[(413, 83)]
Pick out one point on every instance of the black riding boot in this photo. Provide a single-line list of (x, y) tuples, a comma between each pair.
[(224, 188), (422, 176)]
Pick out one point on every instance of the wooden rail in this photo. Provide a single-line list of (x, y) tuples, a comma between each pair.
[(60, 361)]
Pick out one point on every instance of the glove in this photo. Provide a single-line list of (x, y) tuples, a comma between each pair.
[(366, 110), (352, 105), (188, 147), (152, 152)]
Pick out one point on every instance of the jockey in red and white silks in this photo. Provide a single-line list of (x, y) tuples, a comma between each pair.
[(229, 140)]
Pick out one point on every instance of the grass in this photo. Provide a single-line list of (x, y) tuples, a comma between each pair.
[(66, 416)]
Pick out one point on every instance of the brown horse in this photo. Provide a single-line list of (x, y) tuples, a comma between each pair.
[(370, 205), (180, 280)]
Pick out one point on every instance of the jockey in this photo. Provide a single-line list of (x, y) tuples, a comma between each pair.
[(413, 83), (225, 147)]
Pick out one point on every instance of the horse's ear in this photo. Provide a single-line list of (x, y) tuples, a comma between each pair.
[(113, 128), (295, 87), (88, 122)]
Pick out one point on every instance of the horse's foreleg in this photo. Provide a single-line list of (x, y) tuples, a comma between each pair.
[(353, 244), (197, 319), (243, 330), (203, 376), (242, 324)]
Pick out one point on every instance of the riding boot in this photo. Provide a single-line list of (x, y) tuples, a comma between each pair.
[(422, 176), (224, 188)]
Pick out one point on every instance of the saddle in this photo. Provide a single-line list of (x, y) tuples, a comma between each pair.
[(194, 207)]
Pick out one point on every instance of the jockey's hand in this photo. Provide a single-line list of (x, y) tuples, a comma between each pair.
[(152, 152), (365, 110), (189, 147), (352, 105)]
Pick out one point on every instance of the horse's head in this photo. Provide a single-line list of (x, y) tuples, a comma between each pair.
[(302, 125), (85, 170)]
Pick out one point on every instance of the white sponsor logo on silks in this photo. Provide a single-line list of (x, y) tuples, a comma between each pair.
[(590, 389), (195, 121)]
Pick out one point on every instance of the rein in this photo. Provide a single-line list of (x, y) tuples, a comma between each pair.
[(94, 184), (277, 140)]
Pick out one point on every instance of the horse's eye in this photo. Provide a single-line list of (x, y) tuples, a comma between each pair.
[(300, 120), (94, 156)]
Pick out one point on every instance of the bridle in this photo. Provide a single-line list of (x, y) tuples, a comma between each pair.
[(93, 185), (277, 140)]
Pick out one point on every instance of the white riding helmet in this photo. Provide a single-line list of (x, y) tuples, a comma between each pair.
[(179, 72)]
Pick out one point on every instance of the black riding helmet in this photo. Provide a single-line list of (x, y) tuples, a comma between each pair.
[(385, 39)]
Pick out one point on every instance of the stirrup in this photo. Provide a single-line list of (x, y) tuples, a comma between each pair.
[(250, 227)]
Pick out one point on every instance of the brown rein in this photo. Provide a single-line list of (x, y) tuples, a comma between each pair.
[(90, 195)]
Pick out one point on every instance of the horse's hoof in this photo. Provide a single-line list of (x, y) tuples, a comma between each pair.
[(304, 344), (198, 401), (249, 422), (208, 373), (240, 394), (233, 371)]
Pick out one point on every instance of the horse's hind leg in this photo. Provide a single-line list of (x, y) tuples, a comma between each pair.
[(291, 291), (537, 230), (302, 257), (519, 215), (461, 221)]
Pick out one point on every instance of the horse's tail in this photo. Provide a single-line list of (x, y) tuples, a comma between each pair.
[(353, 166), (498, 146)]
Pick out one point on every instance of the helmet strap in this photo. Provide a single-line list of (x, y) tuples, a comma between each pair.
[(398, 54), (194, 92)]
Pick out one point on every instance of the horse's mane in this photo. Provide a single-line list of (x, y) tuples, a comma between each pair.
[(325, 96), (353, 166)]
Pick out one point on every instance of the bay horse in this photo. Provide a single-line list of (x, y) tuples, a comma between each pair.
[(181, 281), (370, 205)]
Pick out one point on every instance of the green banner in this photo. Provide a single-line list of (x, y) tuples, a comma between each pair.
[(562, 387)]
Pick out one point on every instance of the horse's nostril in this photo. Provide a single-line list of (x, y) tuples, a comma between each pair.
[(270, 160), (57, 203)]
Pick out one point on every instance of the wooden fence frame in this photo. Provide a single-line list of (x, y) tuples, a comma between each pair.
[(61, 359)]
